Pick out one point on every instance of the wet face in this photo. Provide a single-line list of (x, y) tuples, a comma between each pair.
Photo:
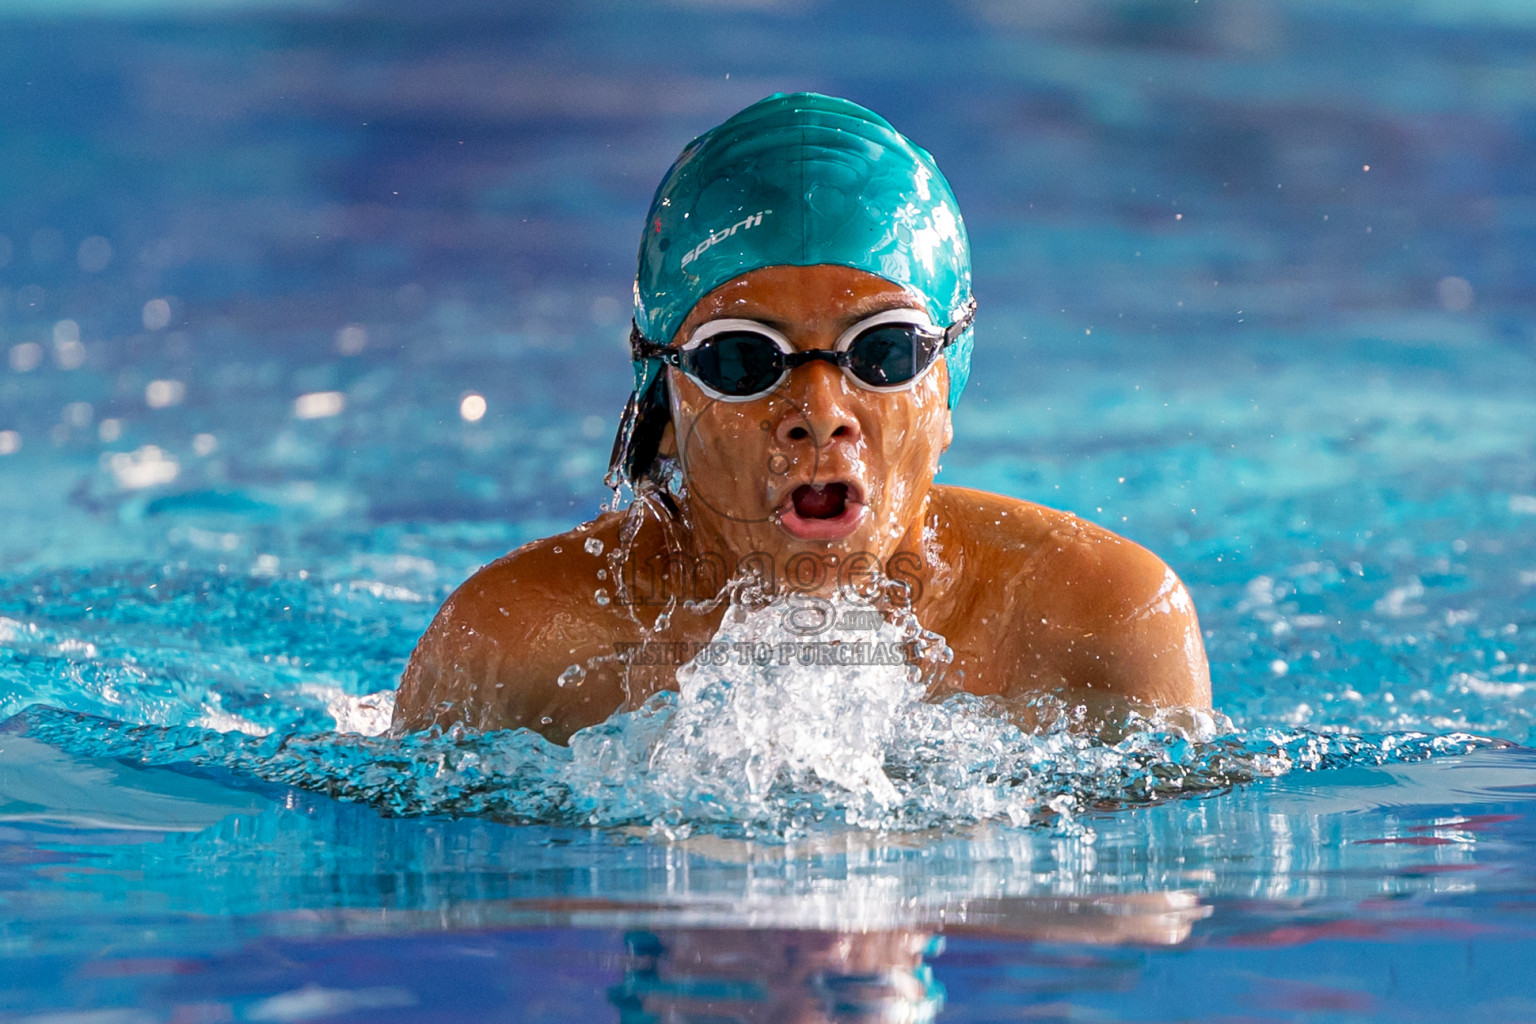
[(820, 465)]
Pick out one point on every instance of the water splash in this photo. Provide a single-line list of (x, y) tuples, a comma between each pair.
[(797, 696), (800, 716)]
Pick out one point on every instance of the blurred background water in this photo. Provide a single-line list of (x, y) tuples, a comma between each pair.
[(309, 309)]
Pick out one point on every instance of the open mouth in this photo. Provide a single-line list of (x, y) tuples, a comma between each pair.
[(820, 501), (823, 511)]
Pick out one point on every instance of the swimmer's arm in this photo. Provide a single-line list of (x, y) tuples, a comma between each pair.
[(493, 657), (1126, 629), (1150, 648)]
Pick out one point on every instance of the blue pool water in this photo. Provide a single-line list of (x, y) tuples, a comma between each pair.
[(1256, 290)]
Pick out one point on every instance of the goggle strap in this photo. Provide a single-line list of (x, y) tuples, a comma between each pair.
[(961, 323), (641, 347)]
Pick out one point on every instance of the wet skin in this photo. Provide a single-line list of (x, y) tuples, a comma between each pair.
[(1031, 600)]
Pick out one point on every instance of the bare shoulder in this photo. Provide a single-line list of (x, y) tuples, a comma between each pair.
[(494, 654), (544, 577), (1112, 614), (547, 582), (1099, 564)]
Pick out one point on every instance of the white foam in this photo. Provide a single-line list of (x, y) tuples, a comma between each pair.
[(793, 712)]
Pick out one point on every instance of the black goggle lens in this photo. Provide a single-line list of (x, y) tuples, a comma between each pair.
[(746, 363), (888, 355), (737, 363)]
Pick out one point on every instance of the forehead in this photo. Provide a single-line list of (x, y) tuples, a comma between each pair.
[(808, 297)]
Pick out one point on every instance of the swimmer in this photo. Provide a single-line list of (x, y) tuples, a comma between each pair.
[(802, 332)]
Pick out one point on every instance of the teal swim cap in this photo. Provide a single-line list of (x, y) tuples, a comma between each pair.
[(796, 179)]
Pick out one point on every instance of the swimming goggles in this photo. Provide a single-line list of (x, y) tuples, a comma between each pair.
[(739, 360)]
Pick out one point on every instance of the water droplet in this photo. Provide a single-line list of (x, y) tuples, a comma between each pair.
[(94, 254), (472, 408), (593, 546), (572, 676), (351, 339), (157, 314), (601, 597)]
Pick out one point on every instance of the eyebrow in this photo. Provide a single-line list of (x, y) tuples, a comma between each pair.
[(873, 304)]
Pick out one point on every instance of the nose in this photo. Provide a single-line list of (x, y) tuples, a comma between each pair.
[(818, 414)]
